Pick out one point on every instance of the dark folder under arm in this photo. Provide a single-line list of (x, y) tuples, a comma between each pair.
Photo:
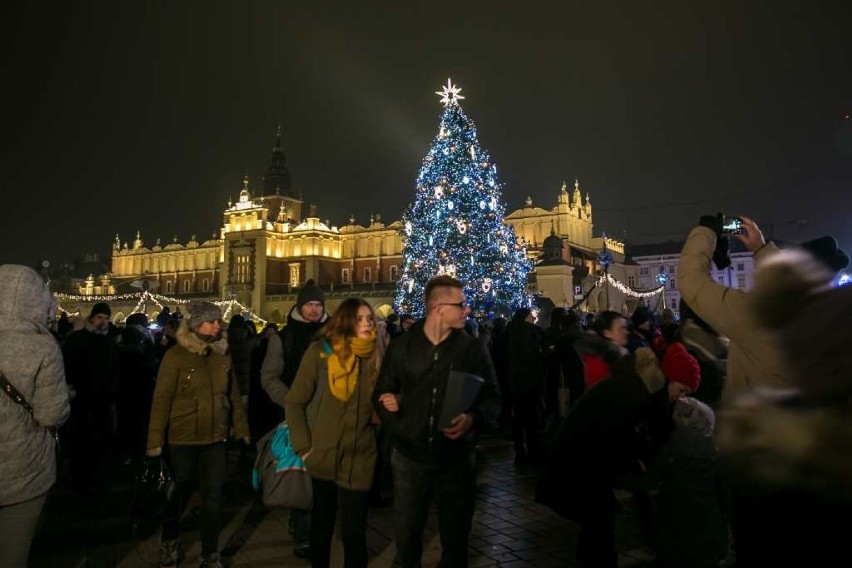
[(462, 390)]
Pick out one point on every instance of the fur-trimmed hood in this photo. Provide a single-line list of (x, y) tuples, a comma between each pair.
[(793, 296), (799, 438), (594, 344), (775, 440), (194, 344)]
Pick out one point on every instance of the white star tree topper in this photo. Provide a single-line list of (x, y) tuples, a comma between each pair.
[(450, 93)]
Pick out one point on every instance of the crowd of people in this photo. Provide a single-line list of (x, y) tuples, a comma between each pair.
[(733, 416)]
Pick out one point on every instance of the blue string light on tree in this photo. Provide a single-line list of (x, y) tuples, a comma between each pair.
[(455, 223)]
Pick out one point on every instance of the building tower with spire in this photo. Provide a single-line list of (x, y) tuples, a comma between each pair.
[(277, 179), (277, 192)]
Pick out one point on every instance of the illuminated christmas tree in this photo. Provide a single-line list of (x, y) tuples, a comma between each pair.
[(455, 223)]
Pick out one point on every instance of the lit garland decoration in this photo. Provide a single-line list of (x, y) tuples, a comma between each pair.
[(158, 299), (455, 224), (66, 312), (630, 291)]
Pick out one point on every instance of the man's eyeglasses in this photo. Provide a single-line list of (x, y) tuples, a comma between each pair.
[(459, 305)]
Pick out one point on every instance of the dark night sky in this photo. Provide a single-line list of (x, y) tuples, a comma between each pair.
[(126, 115)]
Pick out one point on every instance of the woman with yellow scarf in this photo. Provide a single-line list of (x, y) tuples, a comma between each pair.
[(329, 413)]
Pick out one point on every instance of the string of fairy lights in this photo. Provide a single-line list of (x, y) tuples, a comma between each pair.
[(158, 299), (627, 290)]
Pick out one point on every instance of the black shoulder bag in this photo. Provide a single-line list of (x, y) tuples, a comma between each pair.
[(16, 396)]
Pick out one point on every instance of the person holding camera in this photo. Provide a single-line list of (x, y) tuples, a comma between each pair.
[(754, 356)]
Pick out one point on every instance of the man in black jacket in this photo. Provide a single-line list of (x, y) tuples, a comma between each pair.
[(430, 461), (283, 356), (92, 369)]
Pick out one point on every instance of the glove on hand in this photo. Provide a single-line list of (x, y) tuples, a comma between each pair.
[(712, 222), (720, 254)]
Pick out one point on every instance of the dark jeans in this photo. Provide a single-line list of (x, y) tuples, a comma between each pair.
[(93, 430), (526, 423), (454, 487), (382, 488), (300, 527), (205, 466), (353, 524), (596, 543)]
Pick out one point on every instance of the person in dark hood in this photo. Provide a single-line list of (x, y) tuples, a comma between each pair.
[(283, 357), (92, 370), (31, 362), (668, 325), (570, 364), (643, 333), (240, 345), (526, 366), (139, 364)]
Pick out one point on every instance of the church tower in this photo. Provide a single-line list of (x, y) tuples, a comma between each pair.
[(277, 190)]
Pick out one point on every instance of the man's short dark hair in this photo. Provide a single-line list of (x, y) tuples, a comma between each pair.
[(442, 281), (605, 320)]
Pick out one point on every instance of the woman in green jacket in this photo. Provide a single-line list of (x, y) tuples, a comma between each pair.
[(196, 403), (329, 413)]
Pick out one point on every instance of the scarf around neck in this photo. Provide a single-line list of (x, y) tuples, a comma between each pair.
[(343, 370)]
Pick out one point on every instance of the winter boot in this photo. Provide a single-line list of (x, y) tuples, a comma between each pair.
[(212, 561), (171, 554)]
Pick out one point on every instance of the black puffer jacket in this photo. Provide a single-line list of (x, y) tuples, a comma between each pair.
[(525, 356), (417, 372)]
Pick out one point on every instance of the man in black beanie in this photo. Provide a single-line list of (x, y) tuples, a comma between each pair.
[(92, 369), (825, 250), (283, 356)]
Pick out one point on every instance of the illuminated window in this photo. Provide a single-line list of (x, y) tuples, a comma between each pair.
[(368, 274), (740, 266), (169, 287), (344, 276), (205, 285), (671, 269), (187, 286), (672, 284), (241, 271), (631, 281), (394, 273), (294, 274), (741, 281)]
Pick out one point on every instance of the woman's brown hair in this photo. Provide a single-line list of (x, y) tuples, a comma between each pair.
[(343, 325)]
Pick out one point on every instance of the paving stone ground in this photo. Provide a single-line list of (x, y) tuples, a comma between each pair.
[(509, 529)]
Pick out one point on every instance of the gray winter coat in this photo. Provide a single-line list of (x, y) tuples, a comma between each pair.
[(31, 360)]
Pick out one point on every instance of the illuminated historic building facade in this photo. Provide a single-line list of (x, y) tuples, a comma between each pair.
[(266, 248)]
